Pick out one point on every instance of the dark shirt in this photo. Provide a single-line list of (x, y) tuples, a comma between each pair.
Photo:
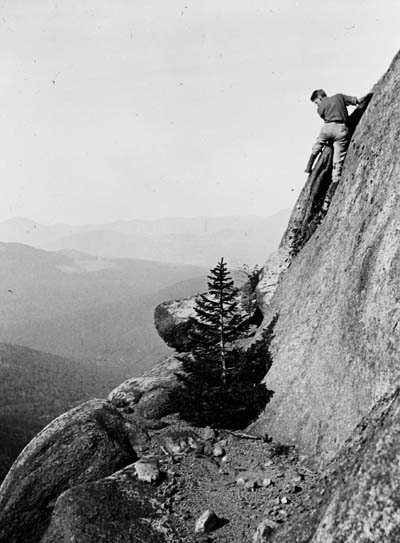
[(333, 108)]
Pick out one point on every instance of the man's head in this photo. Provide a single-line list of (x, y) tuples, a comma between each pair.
[(317, 96)]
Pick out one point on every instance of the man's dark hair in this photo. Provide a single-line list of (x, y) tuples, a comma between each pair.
[(319, 93)]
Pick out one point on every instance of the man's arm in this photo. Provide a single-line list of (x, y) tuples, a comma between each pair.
[(350, 100), (364, 99)]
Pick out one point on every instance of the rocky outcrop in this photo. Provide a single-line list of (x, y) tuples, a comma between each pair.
[(149, 396), (118, 508), (174, 320), (337, 337), (85, 444)]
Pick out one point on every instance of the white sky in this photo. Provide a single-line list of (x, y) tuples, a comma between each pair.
[(125, 109)]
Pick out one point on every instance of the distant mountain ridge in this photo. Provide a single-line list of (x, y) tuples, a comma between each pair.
[(120, 334), (84, 307), (35, 283), (198, 240)]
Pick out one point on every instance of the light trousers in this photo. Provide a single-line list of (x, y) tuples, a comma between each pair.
[(338, 135)]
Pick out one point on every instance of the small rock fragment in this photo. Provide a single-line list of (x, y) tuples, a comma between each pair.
[(298, 478), (285, 500), (155, 424), (146, 471), (251, 484), (178, 443), (170, 491), (267, 481), (207, 522), (264, 531), (199, 450), (208, 433), (218, 451)]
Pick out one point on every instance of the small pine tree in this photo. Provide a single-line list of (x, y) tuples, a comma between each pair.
[(221, 384), (219, 320)]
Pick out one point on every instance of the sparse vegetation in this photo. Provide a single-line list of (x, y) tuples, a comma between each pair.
[(248, 290), (252, 274)]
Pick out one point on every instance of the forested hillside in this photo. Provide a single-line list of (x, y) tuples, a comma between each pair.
[(36, 387)]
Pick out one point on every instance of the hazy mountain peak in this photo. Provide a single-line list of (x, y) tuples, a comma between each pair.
[(194, 240)]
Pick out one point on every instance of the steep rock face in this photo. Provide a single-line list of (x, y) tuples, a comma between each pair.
[(303, 221), (305, 218), (84, 444), (118, 508), (357, 498), (337, 337)]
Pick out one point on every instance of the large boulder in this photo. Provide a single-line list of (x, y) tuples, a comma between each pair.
[(174, 320), (149, 396), (85, 444), (337, 337), (115, 509)]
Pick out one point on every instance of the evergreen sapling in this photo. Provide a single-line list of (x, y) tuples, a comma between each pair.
[(221, 383)]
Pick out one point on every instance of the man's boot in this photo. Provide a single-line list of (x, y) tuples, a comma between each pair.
[(310, 163)]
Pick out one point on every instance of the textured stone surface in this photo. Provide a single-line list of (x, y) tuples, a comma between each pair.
[(149, 395), (84, 444), (156, 403), (173, 321), (117, 509), (271, 273), (357, 499), (337, 337)]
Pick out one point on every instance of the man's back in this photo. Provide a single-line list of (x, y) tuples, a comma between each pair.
[(333, 108)]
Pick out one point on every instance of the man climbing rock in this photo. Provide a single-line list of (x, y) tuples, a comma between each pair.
[(333, 110)]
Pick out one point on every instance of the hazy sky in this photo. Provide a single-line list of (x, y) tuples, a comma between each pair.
[(125, 109)]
